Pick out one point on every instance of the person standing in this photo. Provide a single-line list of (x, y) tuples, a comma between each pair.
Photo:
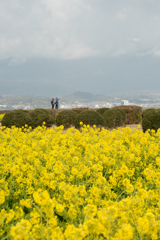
[(52, 103), (57, 103)]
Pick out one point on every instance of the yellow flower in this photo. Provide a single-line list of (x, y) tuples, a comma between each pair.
[(112, 211), (52, 222), (52, 184), (129, 188), (27, 203), (37, 231), (60, 208), (2, 196), (21, 230), (30, 190), (72, 212), (143, 225), (75, 160), (125, 233), (1, 116), (90, 210), (126, 182), (74, 171), (41, 197), (10, 216)]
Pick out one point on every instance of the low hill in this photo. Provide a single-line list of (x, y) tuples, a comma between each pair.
[(85, 97)]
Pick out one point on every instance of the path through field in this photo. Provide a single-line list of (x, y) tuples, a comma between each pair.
[(132, 126)]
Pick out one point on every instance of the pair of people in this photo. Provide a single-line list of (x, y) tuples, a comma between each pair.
[(55, 103)]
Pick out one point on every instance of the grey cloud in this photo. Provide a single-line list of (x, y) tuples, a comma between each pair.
[(75, 29)]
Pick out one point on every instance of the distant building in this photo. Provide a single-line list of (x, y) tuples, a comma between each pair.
[(124, 102), (97, 106)]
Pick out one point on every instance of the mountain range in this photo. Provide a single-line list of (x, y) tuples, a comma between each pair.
[(85, 97)]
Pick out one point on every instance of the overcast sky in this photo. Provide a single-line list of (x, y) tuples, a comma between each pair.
[(62, 34)]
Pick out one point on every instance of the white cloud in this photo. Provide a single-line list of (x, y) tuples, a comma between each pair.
[(76, 51), (157, 53), (121, 16), (7, 45), (134, 39)]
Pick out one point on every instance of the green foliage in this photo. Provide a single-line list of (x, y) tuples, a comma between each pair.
[(33, 118), (102, 110), (90, 118), (17, 118), (123, 115), (66, 118), (79, 110), (151, 120), (133, 114), (113, 118), (40, 115), (54, 112), (149, 110)]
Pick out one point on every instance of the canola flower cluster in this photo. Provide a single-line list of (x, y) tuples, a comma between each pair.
[(1, 116), (88, 184)]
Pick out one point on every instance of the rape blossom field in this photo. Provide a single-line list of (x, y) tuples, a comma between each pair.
[(88, 184)]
